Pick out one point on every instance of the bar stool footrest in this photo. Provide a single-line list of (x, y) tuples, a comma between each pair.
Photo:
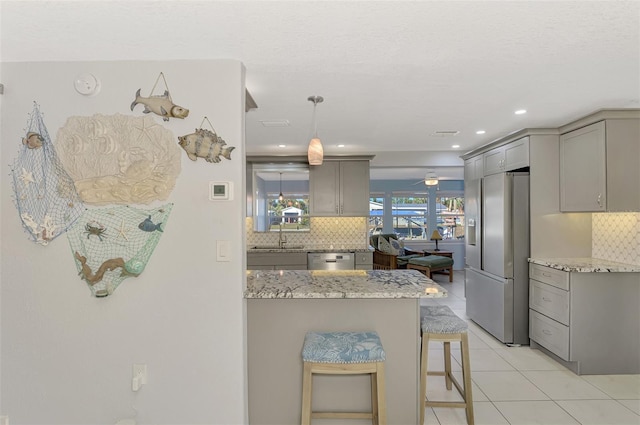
[(341, 415)]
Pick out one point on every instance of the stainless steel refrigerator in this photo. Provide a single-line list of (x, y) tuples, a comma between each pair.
[(497, 248)]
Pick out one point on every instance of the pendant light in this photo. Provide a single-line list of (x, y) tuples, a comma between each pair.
[(281, 196), (315, 152)]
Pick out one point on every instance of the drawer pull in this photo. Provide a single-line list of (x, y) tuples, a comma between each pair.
[(547, 332), (546, 299), (546, 274)]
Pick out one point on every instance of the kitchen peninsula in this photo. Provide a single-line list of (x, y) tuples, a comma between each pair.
[(282, 305)]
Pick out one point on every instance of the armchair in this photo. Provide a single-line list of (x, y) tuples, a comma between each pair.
[(387, 260)]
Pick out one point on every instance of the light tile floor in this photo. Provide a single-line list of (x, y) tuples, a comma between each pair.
[(521, 386)]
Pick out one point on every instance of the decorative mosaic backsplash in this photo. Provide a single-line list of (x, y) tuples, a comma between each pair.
[(616, 237), (325, 233)]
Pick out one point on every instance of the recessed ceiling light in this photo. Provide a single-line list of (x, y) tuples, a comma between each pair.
[(521, 111), (480, 132), (341, 146), (275, 123), (282, 146), (455, 146)]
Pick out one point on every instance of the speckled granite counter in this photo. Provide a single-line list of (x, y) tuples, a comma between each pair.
[(295, 248), (586, 265), (341, 284)]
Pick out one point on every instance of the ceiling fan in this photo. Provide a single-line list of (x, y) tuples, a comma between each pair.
[(430, 179)]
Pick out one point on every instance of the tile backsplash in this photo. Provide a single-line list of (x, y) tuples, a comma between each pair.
[(616, 237), (324, 233)]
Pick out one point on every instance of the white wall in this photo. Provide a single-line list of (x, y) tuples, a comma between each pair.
[(66, 356)]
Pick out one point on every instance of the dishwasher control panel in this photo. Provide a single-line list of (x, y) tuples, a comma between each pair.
[(331, 261)]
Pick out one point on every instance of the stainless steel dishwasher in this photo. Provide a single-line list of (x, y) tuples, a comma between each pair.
[(331, 261)]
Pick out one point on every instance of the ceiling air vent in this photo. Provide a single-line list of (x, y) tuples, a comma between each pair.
[(446, 133)]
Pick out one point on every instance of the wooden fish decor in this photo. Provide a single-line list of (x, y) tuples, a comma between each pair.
[(205, 144), (160, 105)]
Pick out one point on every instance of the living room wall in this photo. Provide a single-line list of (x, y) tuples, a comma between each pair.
[(67, 356)]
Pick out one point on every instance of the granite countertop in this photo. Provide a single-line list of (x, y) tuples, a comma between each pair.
[(341, 284), (586, 265), (294, 248)]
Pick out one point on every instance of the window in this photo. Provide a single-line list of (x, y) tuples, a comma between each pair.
[(376, 212), (450, 215), (415, 215), (269, 213), (292, 213), (410, 216)]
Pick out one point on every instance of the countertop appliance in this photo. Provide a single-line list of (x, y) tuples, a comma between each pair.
[(331, 261), (497, 249)]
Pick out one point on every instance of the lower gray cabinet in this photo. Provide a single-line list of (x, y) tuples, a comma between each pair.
[(277, 260), (590, 321), (364, 260)]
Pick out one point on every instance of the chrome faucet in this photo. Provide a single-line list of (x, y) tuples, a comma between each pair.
[(282, 240)]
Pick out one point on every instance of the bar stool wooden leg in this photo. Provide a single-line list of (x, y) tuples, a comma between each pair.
[(424, 357), (380, 411), (447, 364), (466, 377), (307, 386)]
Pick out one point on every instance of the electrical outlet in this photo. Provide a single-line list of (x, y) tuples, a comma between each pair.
[(140, 371), (139, 376)]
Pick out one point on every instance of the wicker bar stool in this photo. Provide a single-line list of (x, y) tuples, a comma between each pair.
[(344, 353), (439, 323)]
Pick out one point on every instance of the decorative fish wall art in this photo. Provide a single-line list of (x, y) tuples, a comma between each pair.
[(161, 105), (205, 144)]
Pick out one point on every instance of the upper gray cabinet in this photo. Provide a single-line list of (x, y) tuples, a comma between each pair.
[(339, 188), (473, 168), (600, 167), (511, 156)]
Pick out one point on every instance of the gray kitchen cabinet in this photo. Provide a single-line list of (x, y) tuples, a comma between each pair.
[(512, 156), (339, 188), (276, 260), (600, 167), (364, 260), (473, 168), (588, 320)]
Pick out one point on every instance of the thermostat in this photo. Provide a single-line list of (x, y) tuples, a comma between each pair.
[(220, 191)]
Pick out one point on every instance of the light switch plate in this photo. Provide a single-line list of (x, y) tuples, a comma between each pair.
[(222, 251)]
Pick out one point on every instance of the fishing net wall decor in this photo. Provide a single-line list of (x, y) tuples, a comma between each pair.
[(44, 194), (119, 159), (112, 244)]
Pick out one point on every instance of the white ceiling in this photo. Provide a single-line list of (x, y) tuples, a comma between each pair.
[(392, 72)]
